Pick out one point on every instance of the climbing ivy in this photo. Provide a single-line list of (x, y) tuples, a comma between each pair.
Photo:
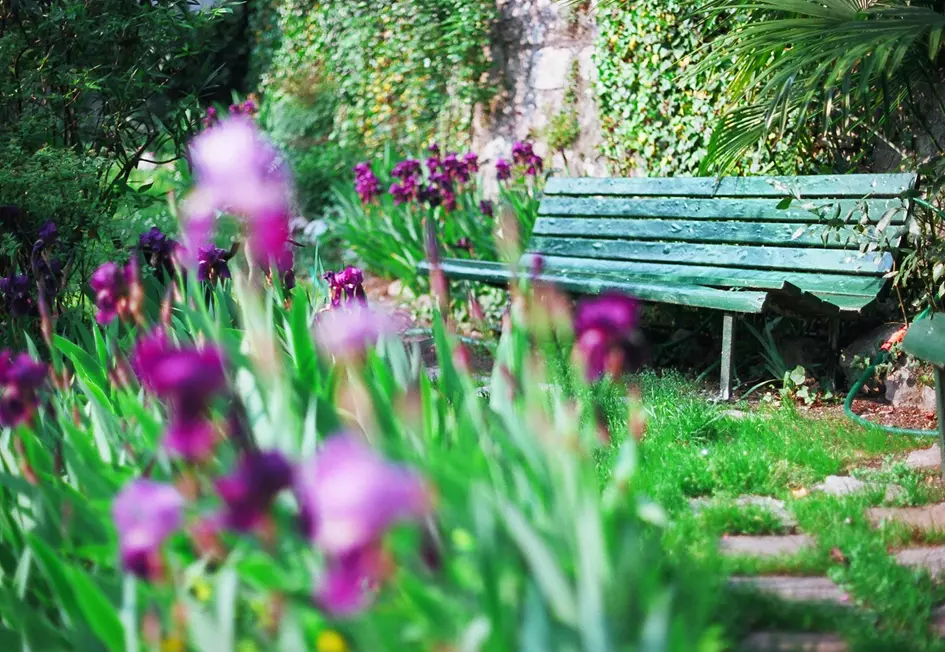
[(656, 114), (401, 71)]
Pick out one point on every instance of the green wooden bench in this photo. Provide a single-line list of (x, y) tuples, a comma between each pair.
[(732, 244)]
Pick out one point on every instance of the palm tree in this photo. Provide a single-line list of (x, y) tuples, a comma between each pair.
[(822, 67)]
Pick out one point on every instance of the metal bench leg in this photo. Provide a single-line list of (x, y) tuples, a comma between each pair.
[(728, 357), (940, 409), (834, 343)]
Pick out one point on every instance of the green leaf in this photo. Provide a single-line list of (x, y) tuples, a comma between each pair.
[(99, 612), (85, 364), (785, 203), (540, 559), (56, 573)]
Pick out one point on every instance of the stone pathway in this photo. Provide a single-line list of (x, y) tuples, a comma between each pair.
[(793, 642), (765, 546), (931, 558), (929, 518), (793, 589), (925, 459), (844, 485)]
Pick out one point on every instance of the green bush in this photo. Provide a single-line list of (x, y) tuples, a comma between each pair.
[(657, 117)]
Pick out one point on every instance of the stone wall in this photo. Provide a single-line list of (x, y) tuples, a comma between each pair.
[(535, 47)]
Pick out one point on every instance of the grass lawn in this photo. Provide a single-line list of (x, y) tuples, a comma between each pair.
[(692, 448)]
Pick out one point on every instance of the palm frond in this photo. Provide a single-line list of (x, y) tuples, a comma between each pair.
[(796, 58)]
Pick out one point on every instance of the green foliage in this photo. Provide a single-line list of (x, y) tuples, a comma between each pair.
[(532, 551), (657, 115), (819, 69), (564, 128), (113, 77), (342, 78)]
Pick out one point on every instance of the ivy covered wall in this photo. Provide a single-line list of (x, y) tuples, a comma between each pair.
[(399, 71), (656, 115)]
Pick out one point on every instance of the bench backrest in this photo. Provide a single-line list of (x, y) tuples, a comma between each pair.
[(733, 232)]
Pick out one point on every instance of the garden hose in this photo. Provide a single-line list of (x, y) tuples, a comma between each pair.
[(856, 418)]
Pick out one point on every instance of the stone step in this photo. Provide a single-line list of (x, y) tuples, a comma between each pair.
[(929, 518), (931, 558), (844, 485), (764, 546), (925, 459), (793, 642), (793, 589)]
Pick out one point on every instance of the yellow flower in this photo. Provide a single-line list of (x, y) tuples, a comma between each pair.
[(172, 644), (330, 641), (202, 590)]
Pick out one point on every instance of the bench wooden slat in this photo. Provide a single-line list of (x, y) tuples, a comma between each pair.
[(835, 186), (743, 256), (645, 290), (718, 276), (847, 303), (748, 210), (755, 233)]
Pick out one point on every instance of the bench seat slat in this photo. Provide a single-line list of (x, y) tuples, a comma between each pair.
[(746, 210), (835, 186), (716, 276), (643, 289), (808, 260), (847, 303), (754, 233)]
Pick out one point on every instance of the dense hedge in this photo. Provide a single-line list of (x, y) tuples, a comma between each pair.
[(657, 116)]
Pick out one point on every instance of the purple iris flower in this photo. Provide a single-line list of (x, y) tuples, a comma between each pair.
[(503, 170), (346, 285), (210, 117), (349, 582), (408, 168), (251, 489), (434, 149), (146, 513), (535, 165), (20, 379), (350, 497), (607, 336), (487, 208), (115, 287), (449, 200), (158, 249), (433, 164), (347, 333), (399, 193), (455, 169), (188, 379), (16, 292), (365, 183), (522, 151), (48, 233), (284, 265), (471, 160), (212, 263), (430, 195), (238, 171)]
